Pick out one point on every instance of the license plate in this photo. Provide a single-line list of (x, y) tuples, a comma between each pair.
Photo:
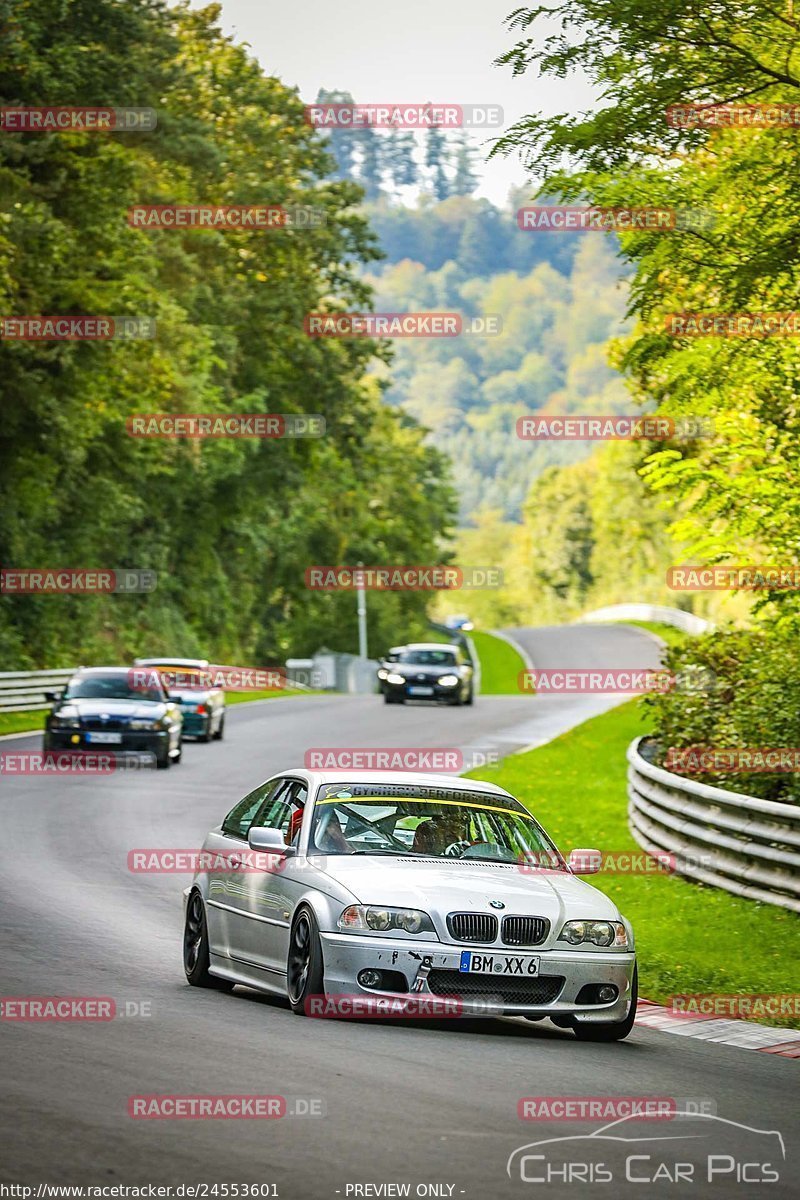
[(473, 962), (104, 739), (420, 691)]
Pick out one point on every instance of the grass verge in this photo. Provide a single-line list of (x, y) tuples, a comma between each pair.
[(668, 633), (271, 694), (500, 665), (22, 722), (690, 938)]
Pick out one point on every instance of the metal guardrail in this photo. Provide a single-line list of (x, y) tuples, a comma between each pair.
[(23, 691), (688, 622), (744, 845)]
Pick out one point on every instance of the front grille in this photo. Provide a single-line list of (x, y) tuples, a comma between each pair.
[(94, 724), (524, 931), (472, 927), (543, 989)]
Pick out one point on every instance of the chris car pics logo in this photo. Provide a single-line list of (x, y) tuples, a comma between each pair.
[(690, 1147)]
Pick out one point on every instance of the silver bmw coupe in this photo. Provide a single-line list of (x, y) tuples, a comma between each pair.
[(404, 894)]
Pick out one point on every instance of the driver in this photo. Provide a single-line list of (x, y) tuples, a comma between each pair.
[(440, 831)]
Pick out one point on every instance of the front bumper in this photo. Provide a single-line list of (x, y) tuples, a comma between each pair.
[(404, 691), (345, 955), (156, 742)]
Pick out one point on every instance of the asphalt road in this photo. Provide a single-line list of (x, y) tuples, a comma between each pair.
[(419, 1103)]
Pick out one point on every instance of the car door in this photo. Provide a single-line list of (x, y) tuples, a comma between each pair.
[(270, 894), (226, 885)]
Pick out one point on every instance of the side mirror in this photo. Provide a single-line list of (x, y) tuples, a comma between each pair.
[(270, 840), (585, 862), (53, 697)]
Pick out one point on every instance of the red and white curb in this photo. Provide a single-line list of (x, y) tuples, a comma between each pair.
[(745, 1034)]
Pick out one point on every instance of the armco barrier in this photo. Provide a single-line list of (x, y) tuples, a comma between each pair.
[(746, 846), (688, 622), (23, 691)]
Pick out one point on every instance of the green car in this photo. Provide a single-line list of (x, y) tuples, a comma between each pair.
[(191, 686)]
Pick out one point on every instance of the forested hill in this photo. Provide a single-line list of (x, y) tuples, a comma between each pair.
[(558, 295), (559, 300)]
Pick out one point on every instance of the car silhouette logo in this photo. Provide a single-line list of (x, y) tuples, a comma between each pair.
[(496, 904)]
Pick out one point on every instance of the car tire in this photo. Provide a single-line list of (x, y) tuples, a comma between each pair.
[(304, 966), (387, 699), (195, 948), (610, 1031), (206, 737), (179, 755), (219, 735), (470, 696)]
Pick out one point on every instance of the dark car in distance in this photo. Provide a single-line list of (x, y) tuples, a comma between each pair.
[(105, 708), (430, 671), (385, 666), (190, 683)]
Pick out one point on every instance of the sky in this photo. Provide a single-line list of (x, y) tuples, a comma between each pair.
[(417, 51)]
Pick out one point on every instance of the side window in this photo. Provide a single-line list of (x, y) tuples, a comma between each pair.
[(239, 819), (277, 809)]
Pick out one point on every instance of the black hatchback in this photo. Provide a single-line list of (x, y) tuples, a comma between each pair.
[(430, 671), (105, 708)]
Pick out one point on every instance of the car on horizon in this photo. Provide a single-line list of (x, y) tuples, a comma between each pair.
[(459, 623), (107, 707), (430, 671), (406, 887), (190, 684)]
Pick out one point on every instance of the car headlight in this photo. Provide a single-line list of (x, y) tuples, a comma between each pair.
[(599, 933), (358, 918), (393, 677), (449, 680), (145, 723), (382, 674), (64, 723)]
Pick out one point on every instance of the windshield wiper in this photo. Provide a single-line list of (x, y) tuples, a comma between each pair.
[(397, 853), (476, 858)]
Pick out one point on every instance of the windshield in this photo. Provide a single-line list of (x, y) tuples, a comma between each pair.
[(110, 687), (429, 658), (349, 820)]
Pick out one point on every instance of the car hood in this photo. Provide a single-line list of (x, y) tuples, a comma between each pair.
[(412, 670), (113, 708), (441, 888)]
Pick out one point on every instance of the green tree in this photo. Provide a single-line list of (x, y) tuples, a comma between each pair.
[(437, 153), (228, 525), (399, 147), (736, 493), (465, 180)]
